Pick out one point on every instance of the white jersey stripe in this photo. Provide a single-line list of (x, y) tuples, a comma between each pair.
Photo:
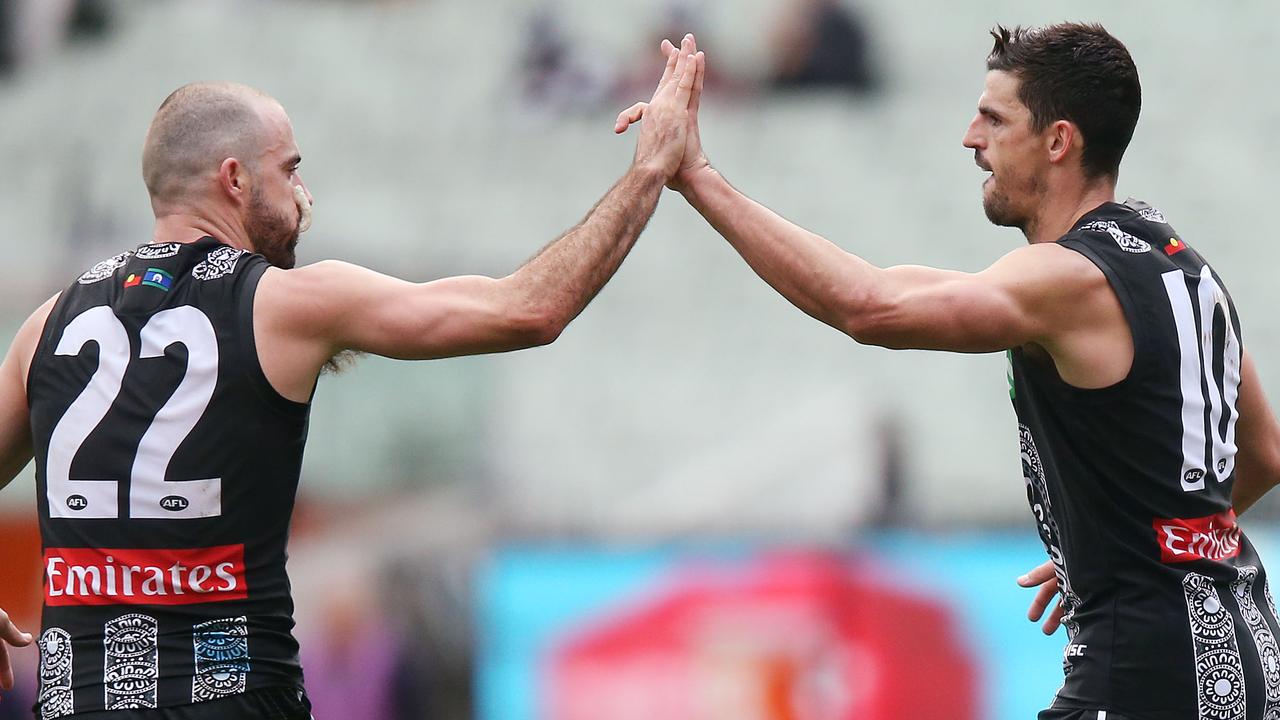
[(1193, 470)]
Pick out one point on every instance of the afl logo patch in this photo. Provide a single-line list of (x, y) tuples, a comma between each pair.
[(174, 503), (77, 502)]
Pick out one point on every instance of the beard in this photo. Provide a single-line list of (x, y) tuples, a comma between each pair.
[(274, 235), (1002, 210)]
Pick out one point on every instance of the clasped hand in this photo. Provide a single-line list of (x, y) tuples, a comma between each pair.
[(669, 139)]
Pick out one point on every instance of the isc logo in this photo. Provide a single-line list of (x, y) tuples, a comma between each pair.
[(77, 502), (174, 503)]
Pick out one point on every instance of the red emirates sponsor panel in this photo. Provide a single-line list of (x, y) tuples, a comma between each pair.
[(1216, 537), (120, 576)]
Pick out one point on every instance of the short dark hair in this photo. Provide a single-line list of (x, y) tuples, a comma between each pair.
[(197, 127), (1077, 72)]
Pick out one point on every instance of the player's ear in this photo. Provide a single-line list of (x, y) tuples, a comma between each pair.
[(1061, 138), (233, 180)]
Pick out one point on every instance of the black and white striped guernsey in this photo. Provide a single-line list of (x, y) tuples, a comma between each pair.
[(166, 470), (1169, 613)]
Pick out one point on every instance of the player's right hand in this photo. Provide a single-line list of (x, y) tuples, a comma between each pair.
[(9, 635), (694, 158), (663, 136), (1045, 577)]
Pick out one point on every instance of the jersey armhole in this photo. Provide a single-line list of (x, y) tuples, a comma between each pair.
[(246, 295), (1132, 314)]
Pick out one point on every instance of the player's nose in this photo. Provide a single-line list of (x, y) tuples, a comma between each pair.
[(972, 137)]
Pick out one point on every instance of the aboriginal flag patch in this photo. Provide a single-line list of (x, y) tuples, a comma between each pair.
[(153, 277)]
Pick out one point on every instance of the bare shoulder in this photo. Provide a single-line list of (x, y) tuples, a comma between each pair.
[(304, 294), (1063, 294), (313, 277), (1050, 272), (1049, 261)]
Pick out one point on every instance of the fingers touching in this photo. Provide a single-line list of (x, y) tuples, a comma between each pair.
[(697, 83), (684, 91), (670, 69), (682, 77)]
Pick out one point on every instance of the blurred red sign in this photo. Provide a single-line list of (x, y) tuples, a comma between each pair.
[(792, 637)]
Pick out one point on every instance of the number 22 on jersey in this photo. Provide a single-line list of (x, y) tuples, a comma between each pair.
[(150, 495)]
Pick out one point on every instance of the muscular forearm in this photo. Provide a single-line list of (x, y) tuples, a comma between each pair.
[(565, 275), (818, 277)]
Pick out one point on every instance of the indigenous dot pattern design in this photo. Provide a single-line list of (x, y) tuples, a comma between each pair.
[(159, 251), (1126, 241), (1219, 672), (1047, 526), (221, 658), (219, 263), (1263, 639), (132, 665), (56, 699), (104, 269), (1151, 214)]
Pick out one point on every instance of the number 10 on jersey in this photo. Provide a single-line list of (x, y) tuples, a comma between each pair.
[(1199, 307)]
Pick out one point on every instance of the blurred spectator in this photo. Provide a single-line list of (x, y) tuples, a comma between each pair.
[(822, 44), (16, 704), (349, 668), (555, 76), (32, 29), (889, 433), (433, 667), (386, 650), (678, 18), (91, 19), (7, 52)]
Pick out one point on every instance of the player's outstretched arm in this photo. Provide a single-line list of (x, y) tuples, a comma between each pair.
[(333, 306), (1257, 439), (15, 424), (1011, 303), (1017, 300)]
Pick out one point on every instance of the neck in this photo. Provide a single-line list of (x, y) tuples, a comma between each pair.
[(188, 226), (1063, 207)]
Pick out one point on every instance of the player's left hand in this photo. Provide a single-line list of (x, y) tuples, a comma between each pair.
[(1044, 577), (9, 635)]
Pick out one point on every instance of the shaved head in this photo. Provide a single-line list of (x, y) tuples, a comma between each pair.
[(195, 129)]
